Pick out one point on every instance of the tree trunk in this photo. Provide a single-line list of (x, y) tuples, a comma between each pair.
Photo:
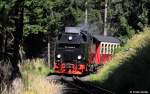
[(18, 35)]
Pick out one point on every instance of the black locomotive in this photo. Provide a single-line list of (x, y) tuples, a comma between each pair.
[(72, 51)]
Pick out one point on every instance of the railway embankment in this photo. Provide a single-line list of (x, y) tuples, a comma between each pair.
[(128, 71)]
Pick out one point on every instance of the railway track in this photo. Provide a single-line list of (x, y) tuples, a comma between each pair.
[(84, 88)]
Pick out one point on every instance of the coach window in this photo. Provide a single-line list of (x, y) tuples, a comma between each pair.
[(112, 48), (109, 49), (106, 48), (102, 48), (103, 51)]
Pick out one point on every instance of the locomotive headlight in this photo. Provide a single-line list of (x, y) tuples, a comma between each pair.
[(59, 56), (70, 38), (79, 57)]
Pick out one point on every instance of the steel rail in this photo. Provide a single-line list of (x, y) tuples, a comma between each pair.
[(76, 86), (93, 88), (86, 87)]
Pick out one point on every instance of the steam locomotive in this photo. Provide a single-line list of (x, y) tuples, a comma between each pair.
[(78, 52)]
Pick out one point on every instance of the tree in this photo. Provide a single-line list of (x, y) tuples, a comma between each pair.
[(11, 33), (128, 17)]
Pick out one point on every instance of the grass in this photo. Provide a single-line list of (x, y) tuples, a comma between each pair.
[(34, 73), (42, 86), (35, 66), (16, 88), (129, 68), (34, 80)]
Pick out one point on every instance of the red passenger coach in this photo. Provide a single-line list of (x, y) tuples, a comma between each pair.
[(105, 47)]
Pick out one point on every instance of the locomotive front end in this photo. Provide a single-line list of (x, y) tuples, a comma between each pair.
[(70, 55)]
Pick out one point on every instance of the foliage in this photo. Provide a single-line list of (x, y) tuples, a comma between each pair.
[(128, 17), (125, 17), (54, 15)]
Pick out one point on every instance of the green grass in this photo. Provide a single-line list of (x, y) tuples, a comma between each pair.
[(32, 68), (36, 66), (130, 67)]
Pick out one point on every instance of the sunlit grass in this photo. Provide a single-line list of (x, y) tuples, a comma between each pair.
[(40, 85), (34, 75), (35, 66)]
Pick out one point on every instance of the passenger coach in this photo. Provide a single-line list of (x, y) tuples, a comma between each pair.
[(105, 48)]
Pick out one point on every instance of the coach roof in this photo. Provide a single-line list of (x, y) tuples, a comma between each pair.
[(106, 39)]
